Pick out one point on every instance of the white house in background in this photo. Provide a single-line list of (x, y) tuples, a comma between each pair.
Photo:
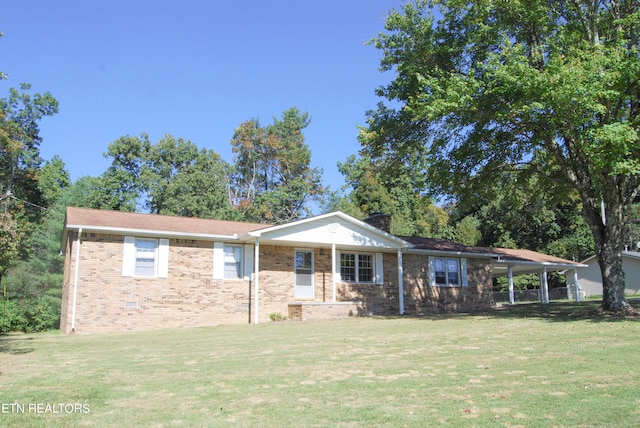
[(590, 277)]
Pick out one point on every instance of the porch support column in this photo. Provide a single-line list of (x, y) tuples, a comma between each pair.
[(334, 277), (544, 287), (400, 282), (256, 280), (512, 298), (576, 285)]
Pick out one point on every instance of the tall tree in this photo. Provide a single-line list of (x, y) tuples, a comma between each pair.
[(273, 179), (481, 87), (391, 189), (21, 198), (171, 177)]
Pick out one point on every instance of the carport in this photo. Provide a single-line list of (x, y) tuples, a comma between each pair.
[(511, 262)]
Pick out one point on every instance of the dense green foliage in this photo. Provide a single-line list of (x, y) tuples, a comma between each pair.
[(485, 88), (171, 177), (374, 188), (31, 292)]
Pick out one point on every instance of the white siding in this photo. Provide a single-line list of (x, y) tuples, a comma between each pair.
[(332, 230)]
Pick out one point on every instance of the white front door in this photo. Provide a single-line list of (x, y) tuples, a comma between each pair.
[(303, 288)]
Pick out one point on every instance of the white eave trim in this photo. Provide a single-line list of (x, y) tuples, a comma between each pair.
[(466, 254), (507, 263), (151, 232)]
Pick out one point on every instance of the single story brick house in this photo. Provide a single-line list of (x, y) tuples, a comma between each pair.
[(130, 271)]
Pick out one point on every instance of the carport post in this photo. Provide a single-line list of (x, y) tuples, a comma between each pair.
[(576, 285), (512, 298), (544, 286)]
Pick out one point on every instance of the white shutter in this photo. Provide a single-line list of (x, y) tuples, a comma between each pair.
[(163, 258), (129, 256), (379, 269), (218, 260), (463, 272), (432, 272), (336, 268), (248, 262)]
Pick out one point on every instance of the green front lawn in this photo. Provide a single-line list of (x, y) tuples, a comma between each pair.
[(528, 365)]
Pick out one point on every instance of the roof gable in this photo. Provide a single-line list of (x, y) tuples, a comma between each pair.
[(332, 228)]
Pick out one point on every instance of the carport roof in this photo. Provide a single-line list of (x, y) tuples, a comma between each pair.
[(521, 261)]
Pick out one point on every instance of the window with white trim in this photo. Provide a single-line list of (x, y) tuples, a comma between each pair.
[(355, 267), (232, 261), (448, 272), (146, 257)]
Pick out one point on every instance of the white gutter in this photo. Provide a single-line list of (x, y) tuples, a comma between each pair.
[(75, 282), (149, 232)]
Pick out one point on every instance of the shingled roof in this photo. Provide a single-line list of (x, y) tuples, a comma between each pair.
[(504, 254), (92, 219)]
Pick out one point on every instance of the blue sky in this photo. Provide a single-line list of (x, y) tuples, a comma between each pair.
[(195, 69)]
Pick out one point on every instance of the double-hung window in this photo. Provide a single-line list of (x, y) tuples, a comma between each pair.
[(355, 267), (232, 261), (448, 272), (145, 257)]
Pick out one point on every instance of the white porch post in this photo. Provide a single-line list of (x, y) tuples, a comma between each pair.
[(544, 286), (400, 282), (576, 284), (512, 298), (256, 280), (334, 277)]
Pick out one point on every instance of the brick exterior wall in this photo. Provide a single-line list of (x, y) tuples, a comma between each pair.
[(420, 298), (188, 297), (107, 301)]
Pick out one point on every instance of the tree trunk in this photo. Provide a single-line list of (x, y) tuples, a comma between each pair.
[(607, 225), (613, 280)]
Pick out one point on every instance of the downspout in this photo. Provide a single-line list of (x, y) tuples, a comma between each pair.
[(256, 280), (400, 282), (75, 282)]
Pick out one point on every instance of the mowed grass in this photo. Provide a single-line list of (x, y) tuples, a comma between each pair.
[(557, 365)]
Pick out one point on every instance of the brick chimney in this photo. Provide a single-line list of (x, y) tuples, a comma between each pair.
[(379, 220)]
